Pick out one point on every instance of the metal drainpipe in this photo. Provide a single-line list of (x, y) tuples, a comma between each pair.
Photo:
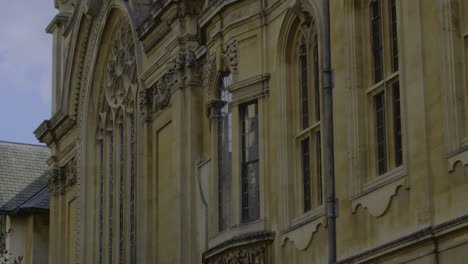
[(329, 145)]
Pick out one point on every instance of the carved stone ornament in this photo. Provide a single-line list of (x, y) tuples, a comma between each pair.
[(254, 255), (230, 53), (120, 70), (62, 179), (181, 70)]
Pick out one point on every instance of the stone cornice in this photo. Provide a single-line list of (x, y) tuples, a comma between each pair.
[(161, 27), (59, 20), (417, 237), (153, 18), (54, 129)]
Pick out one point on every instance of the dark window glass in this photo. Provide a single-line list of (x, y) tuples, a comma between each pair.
[(306, 182), (316, 79), (132, 190), (397, 124), (111, 196), (250, 162), (394, 35), (224, 152), (304, 84), (381, 133), (377, 53), (318, 142)]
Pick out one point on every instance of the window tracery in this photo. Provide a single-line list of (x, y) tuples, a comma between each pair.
[(307, 115), (119, 85)]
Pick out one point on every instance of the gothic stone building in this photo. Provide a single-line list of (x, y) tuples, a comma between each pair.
[(190, 131)]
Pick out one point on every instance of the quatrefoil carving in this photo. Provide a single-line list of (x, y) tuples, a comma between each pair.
[(120, 72)]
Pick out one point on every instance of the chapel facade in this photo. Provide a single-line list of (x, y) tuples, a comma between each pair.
[(191, 131)]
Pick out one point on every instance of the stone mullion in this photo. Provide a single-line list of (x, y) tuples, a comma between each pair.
[(121, 247), (109, 203), (101, 201), (131, 188)]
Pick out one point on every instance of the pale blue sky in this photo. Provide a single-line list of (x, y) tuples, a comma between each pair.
[(25, 67)]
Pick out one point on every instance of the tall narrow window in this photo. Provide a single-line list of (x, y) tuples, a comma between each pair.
[(250, 162), (397, 124), (381, 133), (316, 79), (303, 58), (111, 196), (132, 190), (308, 111), (101, 202), (385, 88), (377, 49), (318, 162), (393, 35), (306, 181), (224, 152)]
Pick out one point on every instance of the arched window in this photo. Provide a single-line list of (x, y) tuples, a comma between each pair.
[(224, 139), (116, 151), (308, 130)]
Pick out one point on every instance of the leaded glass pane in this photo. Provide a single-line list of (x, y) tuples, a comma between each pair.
[(306, 182), (394, 35), (316, 79), (318, 156), (303, 69), (250, 159), (397, 124), (377, 48), (381, 133)]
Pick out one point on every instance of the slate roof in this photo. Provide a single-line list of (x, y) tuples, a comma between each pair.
[(39, 201), (22, 174)]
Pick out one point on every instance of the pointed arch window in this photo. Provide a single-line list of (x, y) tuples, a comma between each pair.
[(116, 151), (308, 133)]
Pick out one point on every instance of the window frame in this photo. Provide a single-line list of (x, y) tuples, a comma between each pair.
[(307, 33), (243, 109), (390, 76)]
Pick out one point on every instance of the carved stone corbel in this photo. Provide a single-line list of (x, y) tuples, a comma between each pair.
[(53, 180), (230, 54), (162, 95), (253, 255), (70, 171)]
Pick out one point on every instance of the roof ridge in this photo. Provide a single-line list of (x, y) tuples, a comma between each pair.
[(23, 144)]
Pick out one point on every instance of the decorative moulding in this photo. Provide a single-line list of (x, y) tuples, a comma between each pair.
[(459, 156), (248, 248), (54, 129), (378, 200), (303, 234)]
